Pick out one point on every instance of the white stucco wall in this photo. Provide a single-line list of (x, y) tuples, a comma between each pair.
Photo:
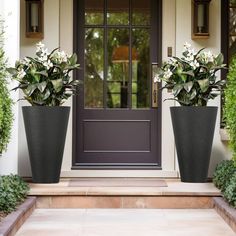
[(10, 13), (183, 34), (176, 31)]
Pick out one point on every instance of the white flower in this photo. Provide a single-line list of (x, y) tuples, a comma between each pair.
[(194, 64), (156, 79), (39, 46), (21, 74), (167, 74), (187, 45), (60, 56), (48, 64)]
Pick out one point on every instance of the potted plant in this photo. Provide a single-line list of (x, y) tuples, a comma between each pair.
[(6, 115), (192, 79), (46, 83)]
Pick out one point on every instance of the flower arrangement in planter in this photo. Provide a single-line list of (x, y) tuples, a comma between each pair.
[(193, 81), (46, 83), (45, 79), (192, 77)]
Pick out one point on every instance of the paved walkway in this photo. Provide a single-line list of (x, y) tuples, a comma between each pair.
[(125, 222)]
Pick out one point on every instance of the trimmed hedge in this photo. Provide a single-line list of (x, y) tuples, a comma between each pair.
[(224, 178), (223, 173), (13, 191), (230, 191)]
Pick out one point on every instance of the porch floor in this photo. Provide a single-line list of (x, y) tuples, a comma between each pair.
[(126, 222), (176, 195), (174, 187)]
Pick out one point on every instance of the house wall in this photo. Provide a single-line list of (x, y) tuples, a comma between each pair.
[(176, 31), (10, 13)]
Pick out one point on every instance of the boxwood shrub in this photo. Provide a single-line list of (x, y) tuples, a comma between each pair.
[(223, 173), (13, 191), (230, 191), (225, 179)]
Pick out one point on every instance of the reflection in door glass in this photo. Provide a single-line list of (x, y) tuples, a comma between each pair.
[(141, 69), (141, 12), (94, 12), (118, 12), (94, 76), (118, 68)]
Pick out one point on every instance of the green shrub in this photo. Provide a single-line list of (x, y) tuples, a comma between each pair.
[(230, 192), (13, 191), (230, 106), (223, 173), (6, 115)]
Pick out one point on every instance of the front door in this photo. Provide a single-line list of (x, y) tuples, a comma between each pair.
[(117, 114)]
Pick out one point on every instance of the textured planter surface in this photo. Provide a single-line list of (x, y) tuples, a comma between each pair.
[(46, 132), (13, 221), (227, 212), (193, 130)]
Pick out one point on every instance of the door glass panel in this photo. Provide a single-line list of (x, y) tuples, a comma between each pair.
[(118, 12), (118, 68), (141, 68), (141, 12), (94, 12), (94, 67)]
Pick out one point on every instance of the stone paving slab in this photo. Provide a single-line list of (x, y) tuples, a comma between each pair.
[(125, 222)]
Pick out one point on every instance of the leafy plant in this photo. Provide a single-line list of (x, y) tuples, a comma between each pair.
[(230, 106), (223, 173), (192, 78), (6, 115), (13, 191), (230, 192), (45, 79)]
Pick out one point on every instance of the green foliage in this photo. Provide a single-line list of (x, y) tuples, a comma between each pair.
[(6, 115), (192, 78), (230, 106), (45, 79), (230, 192), (13, 191), (223, 173)]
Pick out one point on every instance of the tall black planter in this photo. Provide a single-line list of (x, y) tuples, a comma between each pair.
[(46, 132), (193, 130)]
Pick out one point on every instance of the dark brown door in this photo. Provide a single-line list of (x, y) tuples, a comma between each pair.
[(117, 114)]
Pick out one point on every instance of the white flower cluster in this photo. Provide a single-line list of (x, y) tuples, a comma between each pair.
[(43, 54), (206, 57), (60, 56), (190, 54)]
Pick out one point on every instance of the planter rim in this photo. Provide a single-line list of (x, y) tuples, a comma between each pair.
[(46, 108), (193, 107)]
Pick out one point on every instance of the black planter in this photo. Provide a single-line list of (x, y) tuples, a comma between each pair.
[(46, 132), (193, 130)]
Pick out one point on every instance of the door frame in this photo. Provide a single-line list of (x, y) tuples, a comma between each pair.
[(78, 47)]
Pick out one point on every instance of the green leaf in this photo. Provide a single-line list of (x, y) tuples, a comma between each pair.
[(188, 86), (193, 94), (46, 94), (12, 70), (42, 86), (57, 84), (44, 73), (73, 59), (177, 89), (204, 84), (190, 73), (30, 89), (220, 59)]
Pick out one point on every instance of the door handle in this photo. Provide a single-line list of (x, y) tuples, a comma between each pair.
[(154, 85)]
